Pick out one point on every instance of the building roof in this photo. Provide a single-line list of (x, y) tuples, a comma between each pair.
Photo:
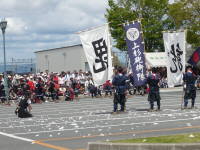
[(52, 49)]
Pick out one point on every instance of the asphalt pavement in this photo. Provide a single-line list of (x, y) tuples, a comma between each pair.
[(71, 125)]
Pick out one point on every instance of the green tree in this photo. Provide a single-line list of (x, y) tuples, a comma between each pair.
[(115, 60), (116, 16), (186, 15), (154, 19)]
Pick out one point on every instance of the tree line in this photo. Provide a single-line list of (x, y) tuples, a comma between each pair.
[(156, 16)]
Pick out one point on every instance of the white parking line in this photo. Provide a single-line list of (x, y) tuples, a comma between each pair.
[(90, 104), (108, 117), (116, 125), (93, 106), (16, 137), (83, 109), (72, 111)]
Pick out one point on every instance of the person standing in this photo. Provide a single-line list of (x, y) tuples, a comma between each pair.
[(119, 82), (154, 93), (189, 79)]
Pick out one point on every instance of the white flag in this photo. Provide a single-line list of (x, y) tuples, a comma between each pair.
[(175, 45), (97, 47)]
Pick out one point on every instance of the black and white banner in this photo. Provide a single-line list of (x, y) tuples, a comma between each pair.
[(135, 45), (97, 47), (175, 45)]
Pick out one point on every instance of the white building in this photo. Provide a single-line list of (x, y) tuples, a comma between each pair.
[(68, 58)]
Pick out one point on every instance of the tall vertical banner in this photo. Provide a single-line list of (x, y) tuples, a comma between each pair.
[(175, 45), (135, 44), (97, 47)]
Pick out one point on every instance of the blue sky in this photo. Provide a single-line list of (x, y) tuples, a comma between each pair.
[(42, 24)]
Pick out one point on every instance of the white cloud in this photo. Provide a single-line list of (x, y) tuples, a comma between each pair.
[(16, 26), (70, 16), (42, 24)]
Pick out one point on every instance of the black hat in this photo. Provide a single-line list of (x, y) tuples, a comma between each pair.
[(189, 67), (120, 69)]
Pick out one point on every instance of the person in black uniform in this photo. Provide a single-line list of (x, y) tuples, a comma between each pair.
[(39, 90), (119, 82), (24, 108), (2, 92), (52, 90), (154, 94), (26, 89), (190, 90)]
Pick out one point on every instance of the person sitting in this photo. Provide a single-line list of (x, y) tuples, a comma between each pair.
[(2, 92), (107, 88), (62, 90), (39, 91), (12, 95), (24, 108), (77, 88), (99, 89), (52, 90), (93, 90), (69, 94)]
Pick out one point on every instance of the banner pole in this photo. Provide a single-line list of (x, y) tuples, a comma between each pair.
[(182, 99), (183, 93), (89, 29)]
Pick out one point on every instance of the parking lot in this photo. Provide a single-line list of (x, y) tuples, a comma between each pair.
[(71, 125)]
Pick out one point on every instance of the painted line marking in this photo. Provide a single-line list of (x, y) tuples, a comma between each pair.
[(117, 134), (95, 120), (86, 110), (50, 145), (46, 106), (116, 125), (32, 141), (135, 102), (16, 137)]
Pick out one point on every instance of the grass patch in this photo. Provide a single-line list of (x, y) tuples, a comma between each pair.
[(182, 138)]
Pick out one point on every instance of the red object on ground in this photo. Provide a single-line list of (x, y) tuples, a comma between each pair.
[(147, 90)]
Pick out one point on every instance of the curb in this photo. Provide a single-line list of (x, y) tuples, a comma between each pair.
[(142, 146), (171, 90)]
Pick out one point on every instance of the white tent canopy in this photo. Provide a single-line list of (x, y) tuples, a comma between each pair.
[(156, 59)]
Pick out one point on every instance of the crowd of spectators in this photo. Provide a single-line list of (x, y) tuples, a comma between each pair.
[(46, 86)]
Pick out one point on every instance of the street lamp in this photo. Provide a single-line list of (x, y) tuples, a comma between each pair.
[(3, 25)]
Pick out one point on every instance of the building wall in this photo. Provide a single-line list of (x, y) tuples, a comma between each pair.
[(61, 59)]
